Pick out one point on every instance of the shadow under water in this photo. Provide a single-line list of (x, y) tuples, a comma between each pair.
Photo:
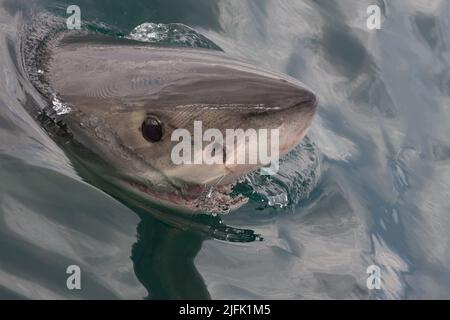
[(165, 268)]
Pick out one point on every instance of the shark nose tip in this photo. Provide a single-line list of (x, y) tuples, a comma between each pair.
[(306, 99), (307, 96)]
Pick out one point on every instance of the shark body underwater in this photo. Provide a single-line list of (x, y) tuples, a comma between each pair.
[(120, 100)]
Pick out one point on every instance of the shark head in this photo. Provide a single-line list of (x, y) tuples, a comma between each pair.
[(175, 123)]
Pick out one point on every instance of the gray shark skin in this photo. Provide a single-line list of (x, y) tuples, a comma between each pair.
[(111, 86)]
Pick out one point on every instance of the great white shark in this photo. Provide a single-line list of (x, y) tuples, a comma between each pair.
[(122, 99)]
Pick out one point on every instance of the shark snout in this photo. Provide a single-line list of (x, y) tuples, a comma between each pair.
[(267, 131), (238, 122)]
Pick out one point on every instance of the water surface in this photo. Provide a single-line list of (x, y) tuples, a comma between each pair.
[(373, 187)]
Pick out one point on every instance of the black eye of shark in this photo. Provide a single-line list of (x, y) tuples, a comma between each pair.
[(152, 129)]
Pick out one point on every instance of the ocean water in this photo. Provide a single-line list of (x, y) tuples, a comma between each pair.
[(369, 185)]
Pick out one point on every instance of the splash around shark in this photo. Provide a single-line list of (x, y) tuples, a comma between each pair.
[(122, 101)]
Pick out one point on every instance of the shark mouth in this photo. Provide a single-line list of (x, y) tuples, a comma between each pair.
[(195, 198), (205, 223)]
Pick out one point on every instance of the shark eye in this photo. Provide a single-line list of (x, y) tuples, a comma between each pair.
[(151, 129)]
